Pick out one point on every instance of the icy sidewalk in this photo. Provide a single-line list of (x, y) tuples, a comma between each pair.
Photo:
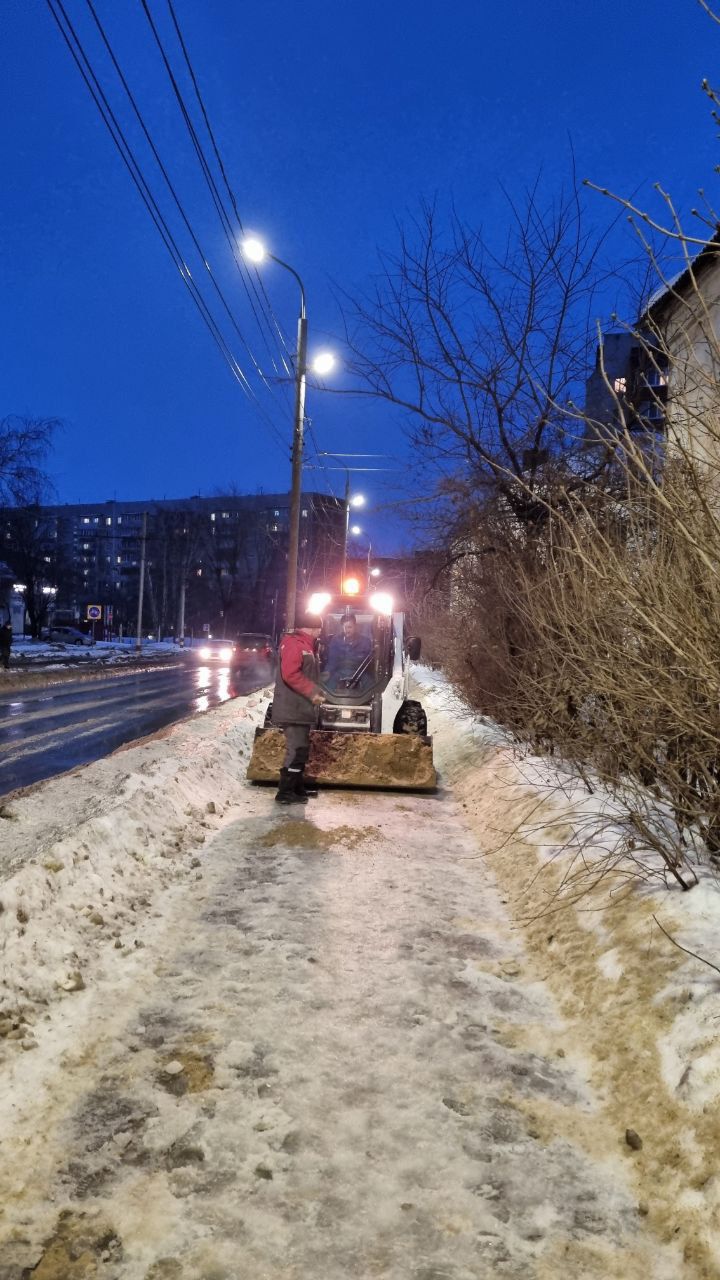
[(318, 1052), (319, 1067)]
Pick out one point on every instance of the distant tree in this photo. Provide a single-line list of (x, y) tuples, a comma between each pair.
[(174, 543), (31, 549), (24, 443), (483, 353), (238, 554)]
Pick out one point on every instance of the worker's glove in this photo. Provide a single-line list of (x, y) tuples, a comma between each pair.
[(317, 700)]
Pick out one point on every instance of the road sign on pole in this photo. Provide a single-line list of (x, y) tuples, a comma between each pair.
[(94, 612)]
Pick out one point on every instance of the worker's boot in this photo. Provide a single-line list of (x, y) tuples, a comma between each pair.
[(286, 792), (305, 788)]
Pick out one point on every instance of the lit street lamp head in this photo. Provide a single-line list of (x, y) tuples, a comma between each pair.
[(323, 362), (355, 530), (254, 249), (357, 500)]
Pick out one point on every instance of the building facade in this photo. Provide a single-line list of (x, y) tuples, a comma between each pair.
[(218, 564), (628, 387), (662, 380)]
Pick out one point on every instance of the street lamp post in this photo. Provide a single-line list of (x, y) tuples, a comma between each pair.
[(297, 453), (256, 252), (356, 531), (357, 500)]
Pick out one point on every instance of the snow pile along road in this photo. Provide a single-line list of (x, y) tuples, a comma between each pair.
[(83, 856)]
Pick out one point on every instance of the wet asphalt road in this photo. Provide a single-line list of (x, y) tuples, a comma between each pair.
[(46, 731)]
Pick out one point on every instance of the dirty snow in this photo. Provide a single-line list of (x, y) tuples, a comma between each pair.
[(645, 1014), (240, 1042)]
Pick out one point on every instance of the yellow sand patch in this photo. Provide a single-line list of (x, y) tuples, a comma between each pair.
[(300, 834)]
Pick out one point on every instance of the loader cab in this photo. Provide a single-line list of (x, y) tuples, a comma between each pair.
[(354, 648), (357, 652)]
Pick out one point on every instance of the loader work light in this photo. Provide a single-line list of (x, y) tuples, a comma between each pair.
[(351, 587), (318, 601), (382, 603)]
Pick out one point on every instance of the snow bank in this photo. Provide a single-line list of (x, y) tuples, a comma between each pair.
[(645, 1014), (83, 856)]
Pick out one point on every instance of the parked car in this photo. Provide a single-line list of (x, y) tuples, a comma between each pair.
[(69, 635)]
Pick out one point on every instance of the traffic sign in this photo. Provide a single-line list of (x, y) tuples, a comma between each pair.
[(94, 612)]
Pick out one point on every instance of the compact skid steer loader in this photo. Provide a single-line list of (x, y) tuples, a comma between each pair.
[(369, 732)]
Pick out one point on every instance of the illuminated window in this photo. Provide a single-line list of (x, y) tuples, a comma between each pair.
[(108, 519), (621, 386), (304, 512)]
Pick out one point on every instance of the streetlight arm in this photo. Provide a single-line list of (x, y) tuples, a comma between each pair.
[(294, 273)]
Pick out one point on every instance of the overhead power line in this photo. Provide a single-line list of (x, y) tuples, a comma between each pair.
[(214, 192), (222, 169), (146, 132), (77, 51)]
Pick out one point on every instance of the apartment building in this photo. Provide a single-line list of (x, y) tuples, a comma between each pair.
[(226, 555)]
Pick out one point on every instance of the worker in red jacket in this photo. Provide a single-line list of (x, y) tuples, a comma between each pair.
[(296, 699)]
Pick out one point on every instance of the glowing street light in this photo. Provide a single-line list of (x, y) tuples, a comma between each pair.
[(253, 249), (323, 362)]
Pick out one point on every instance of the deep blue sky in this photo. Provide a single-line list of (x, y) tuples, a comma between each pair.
[(334, 119)]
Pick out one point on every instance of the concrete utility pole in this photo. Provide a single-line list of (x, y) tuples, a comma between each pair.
[(297, 461), (141, 585), (347, 526), (181, 615), (256, 252)]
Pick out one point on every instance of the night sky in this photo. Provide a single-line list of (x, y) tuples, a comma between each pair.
[(334, 120)]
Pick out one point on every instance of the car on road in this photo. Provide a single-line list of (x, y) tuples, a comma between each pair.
[(250, 653), (69, 635), (221, 651), (255, 652)]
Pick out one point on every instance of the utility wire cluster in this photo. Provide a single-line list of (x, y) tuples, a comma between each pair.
[(169, 215)]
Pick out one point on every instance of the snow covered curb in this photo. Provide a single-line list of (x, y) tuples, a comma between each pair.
[(645, 1014), (85, 856)]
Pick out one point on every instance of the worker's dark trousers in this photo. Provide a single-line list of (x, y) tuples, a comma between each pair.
[(297, 746)]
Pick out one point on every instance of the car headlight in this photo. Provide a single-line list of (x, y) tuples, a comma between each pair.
[(226, 654), (206, 653)]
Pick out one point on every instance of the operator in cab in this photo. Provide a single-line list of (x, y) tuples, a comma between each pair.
[(347, 651), (296, 699)]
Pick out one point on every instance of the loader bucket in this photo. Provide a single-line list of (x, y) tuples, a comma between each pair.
[(389, 761)]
